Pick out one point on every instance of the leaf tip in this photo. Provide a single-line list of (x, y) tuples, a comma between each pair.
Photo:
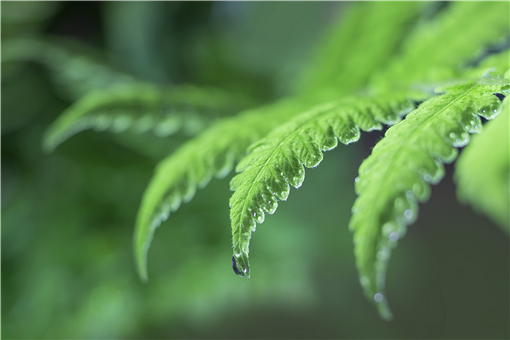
[(382, 307), (241, 265)]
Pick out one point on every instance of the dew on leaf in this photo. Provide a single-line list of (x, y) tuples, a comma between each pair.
[(259, 215), (427, 177), (408, 214), (472, 124), (394, 236), (349, 136), (234, 267), (270, 205), (378, 297), (240, 265), (491, 110)]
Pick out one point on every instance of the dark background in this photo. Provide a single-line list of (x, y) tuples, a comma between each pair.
[(67, 217)]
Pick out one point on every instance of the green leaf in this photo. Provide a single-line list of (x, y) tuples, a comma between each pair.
[(438, 50), (402, 165), (343, 62), (482, 171), (75, 68), (276, 162), (191, 166), (142, 107)]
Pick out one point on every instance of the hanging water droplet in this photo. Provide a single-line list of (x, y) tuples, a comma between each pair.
[(408, 214), (234, 267), (240, 265), (378, 297), (356, 180), (258, 214)]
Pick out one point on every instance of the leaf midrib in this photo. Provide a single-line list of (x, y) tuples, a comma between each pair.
[(392, 165), (275, 151)]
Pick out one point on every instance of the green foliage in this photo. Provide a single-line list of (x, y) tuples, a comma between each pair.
[(482, 171), (381, 26), (143, 107), (383, 61), (212, 153), (431, 54), (396, 175), (277, 161)]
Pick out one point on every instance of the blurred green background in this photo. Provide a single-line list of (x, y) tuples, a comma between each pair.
[(68, 217)]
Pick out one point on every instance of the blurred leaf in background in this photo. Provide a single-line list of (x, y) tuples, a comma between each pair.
[(68, 217)]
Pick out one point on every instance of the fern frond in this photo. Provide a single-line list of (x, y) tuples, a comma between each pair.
[(438, 50), (343, 62), (277, 161), (212, 153), (141, 107), (482, 170), (402, 165), (74, 67)]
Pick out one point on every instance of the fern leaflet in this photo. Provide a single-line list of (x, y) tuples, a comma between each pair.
[(482, 170), (142, 107), (397, 174), (277, 161), (213, 152)]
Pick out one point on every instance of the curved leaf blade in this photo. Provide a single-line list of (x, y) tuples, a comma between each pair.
[(278, 161), (482, 171), (141, 107), (191, 166), (397, 175)]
